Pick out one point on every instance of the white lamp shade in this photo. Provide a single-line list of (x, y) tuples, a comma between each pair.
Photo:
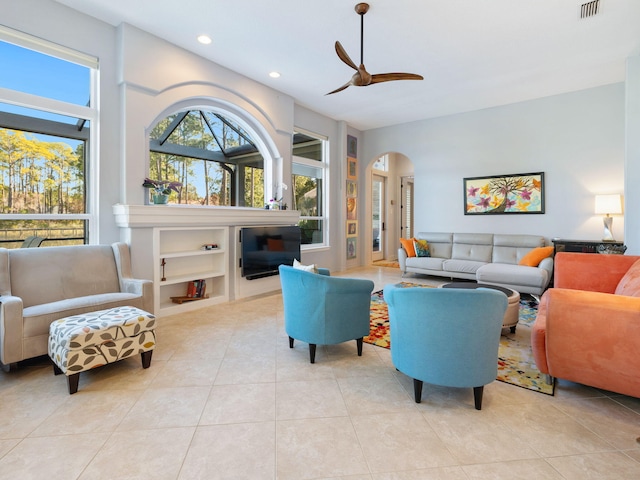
[(608, 204)]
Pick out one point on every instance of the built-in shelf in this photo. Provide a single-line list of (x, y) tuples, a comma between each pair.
[(179, 258)]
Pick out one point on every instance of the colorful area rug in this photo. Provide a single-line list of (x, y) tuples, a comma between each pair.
[(515, 359)]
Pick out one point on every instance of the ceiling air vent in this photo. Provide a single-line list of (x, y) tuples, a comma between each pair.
[(589, 9)]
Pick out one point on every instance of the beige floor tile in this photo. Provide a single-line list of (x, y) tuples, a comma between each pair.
[(551, 432), (309, 399), (7, 445), (166, 408), (242, 403), (245, 450), (608, 419), (475, 436), (54, 458), (86, 412), (517, 470), (246, 369), (375, 395), (440, 473), (187, 373), (21, 413), (400, 441), (145, 454), (596, 466), (317, 448)]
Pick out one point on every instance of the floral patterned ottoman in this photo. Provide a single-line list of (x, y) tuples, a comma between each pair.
[(82, 342)]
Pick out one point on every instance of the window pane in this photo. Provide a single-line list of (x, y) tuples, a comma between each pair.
[(311, 231), (54, 232), (31, 72), (213, 157), (307, 195), (41, 174)]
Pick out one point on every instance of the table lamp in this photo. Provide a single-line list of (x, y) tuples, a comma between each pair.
[(608, 205)]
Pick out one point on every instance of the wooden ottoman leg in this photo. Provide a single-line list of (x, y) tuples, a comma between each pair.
[(146, 358), (72, 381)]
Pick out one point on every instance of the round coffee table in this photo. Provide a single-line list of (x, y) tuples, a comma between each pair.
[(513, 298)]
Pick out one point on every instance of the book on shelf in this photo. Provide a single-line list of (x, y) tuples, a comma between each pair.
[(196, 288)]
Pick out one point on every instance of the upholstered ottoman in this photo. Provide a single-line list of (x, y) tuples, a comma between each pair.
[(89, 340), (512, 315)]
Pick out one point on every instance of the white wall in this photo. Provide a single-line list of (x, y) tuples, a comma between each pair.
[(576, 139), (632, 156)]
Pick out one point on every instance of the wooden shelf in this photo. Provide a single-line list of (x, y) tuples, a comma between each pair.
[(182, 300)]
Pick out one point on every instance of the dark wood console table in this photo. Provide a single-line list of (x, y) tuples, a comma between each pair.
[(588, 246)]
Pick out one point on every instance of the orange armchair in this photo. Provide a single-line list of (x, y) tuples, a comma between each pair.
[(588, 325)]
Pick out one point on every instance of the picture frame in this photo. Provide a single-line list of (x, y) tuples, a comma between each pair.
[(352, 168), (352, 189), (352, 210), (352, 228), (352, 146), (520, 193), (352, 248)]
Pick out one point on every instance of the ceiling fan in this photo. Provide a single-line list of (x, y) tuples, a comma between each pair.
[(362, 78)]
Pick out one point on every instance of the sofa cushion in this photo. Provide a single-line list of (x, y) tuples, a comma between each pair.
[(629, 285), (535, 256), (516, 275), (462, 266), (422, 248), (407, 244), (428, 263)]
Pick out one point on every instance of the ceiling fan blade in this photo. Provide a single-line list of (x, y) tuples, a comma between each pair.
[(388, 77), (344, 57), (339, 89)]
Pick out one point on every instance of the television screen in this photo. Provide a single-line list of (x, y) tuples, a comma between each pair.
[(265, 248)]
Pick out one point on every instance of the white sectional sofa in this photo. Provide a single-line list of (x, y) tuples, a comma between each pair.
[(484, 257)]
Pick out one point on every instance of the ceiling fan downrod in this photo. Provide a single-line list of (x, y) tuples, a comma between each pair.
[(361, 9)]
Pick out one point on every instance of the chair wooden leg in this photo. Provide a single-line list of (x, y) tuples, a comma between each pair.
[(312, 352), (477, 396), (417, 390), (56, 370), (290, 342), (72, 382), (146, 358), (359, 342)]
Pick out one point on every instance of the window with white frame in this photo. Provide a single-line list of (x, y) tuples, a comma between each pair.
[(309, 173), (47, 108)]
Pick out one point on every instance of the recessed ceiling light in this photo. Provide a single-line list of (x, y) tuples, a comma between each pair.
[(274, 75), (204, 39)]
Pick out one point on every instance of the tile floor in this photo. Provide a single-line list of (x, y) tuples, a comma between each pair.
[(225, 398)]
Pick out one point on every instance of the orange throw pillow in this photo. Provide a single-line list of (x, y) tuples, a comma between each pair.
[(535, 256), (630, 283), (407, 244)]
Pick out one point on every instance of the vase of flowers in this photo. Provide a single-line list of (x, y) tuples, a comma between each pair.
[(161, 189)]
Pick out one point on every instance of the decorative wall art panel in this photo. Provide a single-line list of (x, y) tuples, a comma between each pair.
[(516, 193)]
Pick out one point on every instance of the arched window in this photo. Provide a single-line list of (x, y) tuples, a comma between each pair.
[(211, 155)]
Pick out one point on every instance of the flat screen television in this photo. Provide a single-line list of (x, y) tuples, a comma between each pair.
[(263, 249)]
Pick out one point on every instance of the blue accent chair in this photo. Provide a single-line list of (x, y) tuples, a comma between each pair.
[(446, 336), (324, 310)]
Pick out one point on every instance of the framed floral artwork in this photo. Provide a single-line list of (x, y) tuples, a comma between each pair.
[(352, 189), (504, 194)]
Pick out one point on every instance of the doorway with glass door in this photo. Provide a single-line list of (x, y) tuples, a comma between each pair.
[(378, 217)]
